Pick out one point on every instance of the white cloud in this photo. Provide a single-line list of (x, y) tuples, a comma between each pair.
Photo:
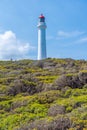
[(11, 47), (83, 40), (63, 34)]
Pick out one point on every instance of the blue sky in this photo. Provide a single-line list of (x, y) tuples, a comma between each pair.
[(66, 32)]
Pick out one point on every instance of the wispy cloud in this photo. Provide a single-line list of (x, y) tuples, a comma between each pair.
[(79, 41), (11, 47), (82, 40), (50, 37), (62, 34), (65, 35)]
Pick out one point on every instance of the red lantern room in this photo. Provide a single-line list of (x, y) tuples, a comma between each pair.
[(42, 18)]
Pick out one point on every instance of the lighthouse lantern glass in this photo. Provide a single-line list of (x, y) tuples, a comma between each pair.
[(42, 19)]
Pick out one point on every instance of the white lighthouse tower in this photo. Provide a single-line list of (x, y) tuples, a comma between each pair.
[(42, 38)]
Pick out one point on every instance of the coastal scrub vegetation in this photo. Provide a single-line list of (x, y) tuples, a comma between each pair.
[(50, 94)]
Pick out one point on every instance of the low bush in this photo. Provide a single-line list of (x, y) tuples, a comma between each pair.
[(54, 110), (73, 81), (62, 123)]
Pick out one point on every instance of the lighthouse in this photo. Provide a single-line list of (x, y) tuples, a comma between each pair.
[(42, 38)]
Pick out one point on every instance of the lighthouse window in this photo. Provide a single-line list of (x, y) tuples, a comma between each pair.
[(41, 19)]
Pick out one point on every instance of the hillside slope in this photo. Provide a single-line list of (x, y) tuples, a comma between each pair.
[(43, 95)]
